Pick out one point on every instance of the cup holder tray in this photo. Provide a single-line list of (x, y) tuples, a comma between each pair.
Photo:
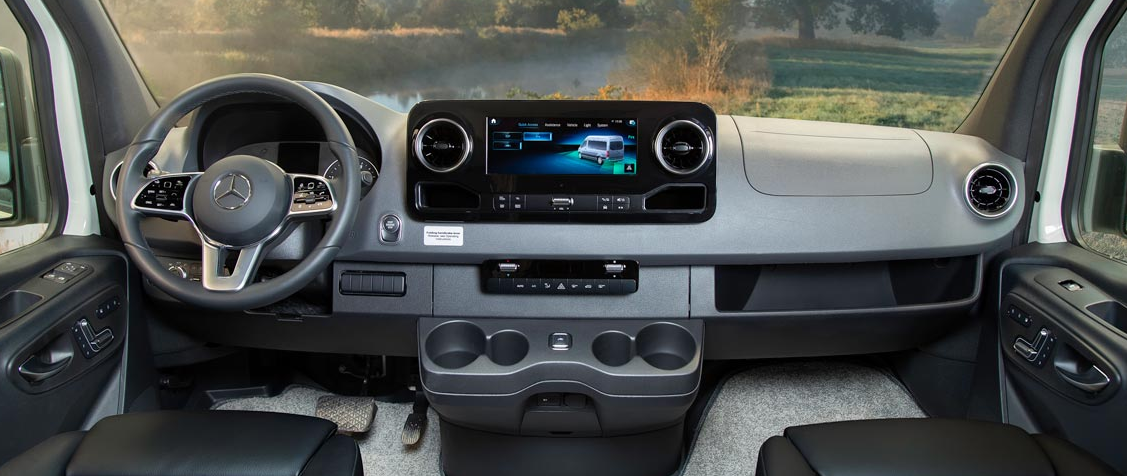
[(613, 357)]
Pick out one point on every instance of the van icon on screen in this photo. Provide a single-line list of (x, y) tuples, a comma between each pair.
[(602, 148)]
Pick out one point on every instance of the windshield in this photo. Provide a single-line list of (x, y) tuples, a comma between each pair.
[(906, 63)]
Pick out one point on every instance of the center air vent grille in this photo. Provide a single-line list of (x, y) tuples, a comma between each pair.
[(442, 145), (683, 147), (991, 190)]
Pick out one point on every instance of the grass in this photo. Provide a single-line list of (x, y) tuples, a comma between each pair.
[(922, 88)]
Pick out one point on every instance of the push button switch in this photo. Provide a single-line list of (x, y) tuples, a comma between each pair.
[(560, 341)]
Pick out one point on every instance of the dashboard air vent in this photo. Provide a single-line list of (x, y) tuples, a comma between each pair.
[(442, 145), (991, 190), (683, 147)]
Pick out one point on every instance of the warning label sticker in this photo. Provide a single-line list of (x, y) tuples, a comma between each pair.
[(442, 236)]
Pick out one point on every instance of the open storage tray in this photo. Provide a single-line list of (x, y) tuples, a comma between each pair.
[(504, 375)]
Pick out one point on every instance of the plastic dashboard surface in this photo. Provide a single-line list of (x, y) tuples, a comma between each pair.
[(748, 226), (918, 212)]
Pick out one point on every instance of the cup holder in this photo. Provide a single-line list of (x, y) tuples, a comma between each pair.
[(613, 348), (455, 344), (507, 347), (666, 346)]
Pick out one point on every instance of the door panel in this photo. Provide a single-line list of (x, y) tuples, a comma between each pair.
[(1063, 337), (63, 324)]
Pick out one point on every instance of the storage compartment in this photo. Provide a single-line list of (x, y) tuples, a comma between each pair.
[(1111, 311), (468, 452), (560, 377), (814, 287), (679, 198), (446, 196), (15, 303)]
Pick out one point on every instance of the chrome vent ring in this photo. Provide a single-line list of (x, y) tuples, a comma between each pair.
[(990, 190), (442, 145), (683, 147)]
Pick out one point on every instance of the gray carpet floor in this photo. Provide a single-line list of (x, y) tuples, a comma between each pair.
[(751, 407), (763, 401), (381, 449)]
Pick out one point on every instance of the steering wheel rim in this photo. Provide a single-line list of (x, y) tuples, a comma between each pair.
[(250, 179)]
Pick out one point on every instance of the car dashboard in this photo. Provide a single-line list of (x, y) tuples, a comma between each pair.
[(784, 237)]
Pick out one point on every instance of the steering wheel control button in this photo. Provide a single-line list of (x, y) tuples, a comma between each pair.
[(311, 194), (560, 341), (391, 228), (164, 193)]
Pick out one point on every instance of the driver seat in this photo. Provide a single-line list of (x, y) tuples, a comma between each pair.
[(190, 443)]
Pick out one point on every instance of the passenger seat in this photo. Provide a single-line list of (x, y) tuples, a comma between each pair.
[(922, 447)]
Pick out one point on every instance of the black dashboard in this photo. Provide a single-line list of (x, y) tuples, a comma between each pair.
[(783, 236)]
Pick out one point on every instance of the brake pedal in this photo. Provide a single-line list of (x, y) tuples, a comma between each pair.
[(416, 423), (351, 414)]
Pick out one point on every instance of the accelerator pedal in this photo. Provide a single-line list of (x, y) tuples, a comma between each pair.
[(416, 423), (353, 415)]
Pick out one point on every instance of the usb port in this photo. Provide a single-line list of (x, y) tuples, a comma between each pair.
[(614, 268)]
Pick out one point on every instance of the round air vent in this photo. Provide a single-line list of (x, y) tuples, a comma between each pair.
[(442, 145), (991, 190), (683, 147)]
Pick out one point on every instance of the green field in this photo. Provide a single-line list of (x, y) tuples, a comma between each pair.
[(923, 88)]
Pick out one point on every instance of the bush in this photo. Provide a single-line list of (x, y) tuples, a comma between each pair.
[(578, 19)]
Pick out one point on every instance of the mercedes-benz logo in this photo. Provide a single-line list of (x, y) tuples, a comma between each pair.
[(232, 191)]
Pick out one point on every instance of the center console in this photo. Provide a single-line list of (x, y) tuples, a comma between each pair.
[(549, 161), (586, 396), (605, 393)]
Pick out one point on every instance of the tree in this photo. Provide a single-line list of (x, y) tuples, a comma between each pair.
[(578, 19), (1002, 20), (545, 13), (960, 17), (337, 13), (892, 18)]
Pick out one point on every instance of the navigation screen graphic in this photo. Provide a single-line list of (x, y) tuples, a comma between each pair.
[(521, 146)]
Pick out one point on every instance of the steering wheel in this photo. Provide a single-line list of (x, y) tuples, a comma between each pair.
[(240, 204)]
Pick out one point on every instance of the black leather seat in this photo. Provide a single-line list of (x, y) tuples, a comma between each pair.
[(922, 447), (212, 443)]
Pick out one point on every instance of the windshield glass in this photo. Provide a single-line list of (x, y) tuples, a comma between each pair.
[(906, 63)]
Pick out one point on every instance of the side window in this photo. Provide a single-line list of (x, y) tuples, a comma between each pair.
[(23, 183)]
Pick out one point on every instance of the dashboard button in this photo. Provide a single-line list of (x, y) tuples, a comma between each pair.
[(501, 203), (520, 286)]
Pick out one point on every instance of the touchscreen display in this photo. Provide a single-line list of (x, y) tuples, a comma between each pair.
[(538, 146)]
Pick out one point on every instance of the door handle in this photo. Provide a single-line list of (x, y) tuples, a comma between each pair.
[(36, 370), (1091, 380)]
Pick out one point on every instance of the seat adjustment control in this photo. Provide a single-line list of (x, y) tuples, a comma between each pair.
[(1036, 352), (89, 340)]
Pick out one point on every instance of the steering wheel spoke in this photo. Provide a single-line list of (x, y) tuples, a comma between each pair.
[(166, 195), (216, 276), (312, 197)]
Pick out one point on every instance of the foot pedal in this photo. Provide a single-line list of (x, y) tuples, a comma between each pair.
[(351, 414), (416, 423)]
